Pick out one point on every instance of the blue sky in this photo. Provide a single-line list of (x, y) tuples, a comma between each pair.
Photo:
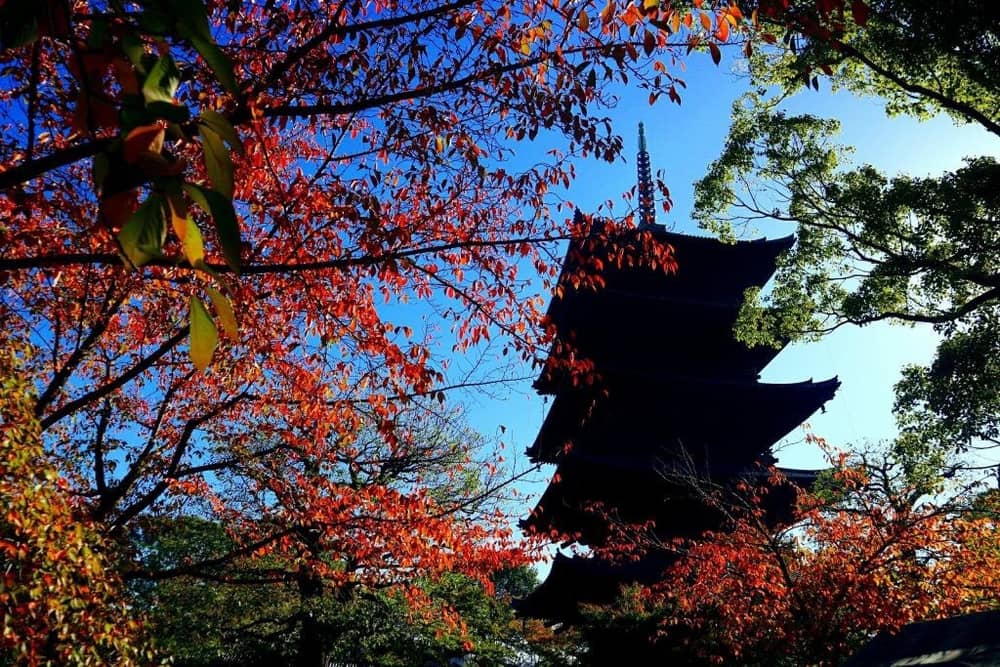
[(683, 140)]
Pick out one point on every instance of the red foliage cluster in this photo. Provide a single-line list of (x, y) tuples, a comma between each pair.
[(862, 558)]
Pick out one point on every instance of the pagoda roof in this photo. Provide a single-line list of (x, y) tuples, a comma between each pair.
[(663, 336), (577, 580), (668, 321), (641, 491), (707, 269), (703, 418)]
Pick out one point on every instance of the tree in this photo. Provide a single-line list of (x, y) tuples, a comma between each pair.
[(295, 601), (868, 553), (292, 176), (217, 620), (60, 597), (872, 247)]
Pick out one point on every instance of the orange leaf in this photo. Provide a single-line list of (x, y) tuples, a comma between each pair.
[(143, 139), (722, 34)]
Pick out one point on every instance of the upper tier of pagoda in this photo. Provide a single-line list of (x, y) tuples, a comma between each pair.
[(658, 322)]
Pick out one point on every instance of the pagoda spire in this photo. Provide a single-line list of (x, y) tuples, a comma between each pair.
[(647, 205)]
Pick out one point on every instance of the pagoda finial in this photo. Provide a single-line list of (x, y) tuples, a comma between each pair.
[(647, 205)]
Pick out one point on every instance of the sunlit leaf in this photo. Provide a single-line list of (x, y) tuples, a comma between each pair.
[(224, 309), (194, 248), (141, 239), (218, 162), (223, 128), (161, 83), (204, 335), (224, 216), (143, 139)]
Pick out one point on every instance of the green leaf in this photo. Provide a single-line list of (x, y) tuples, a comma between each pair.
[(141, 238), (162, 81), (192, 25), (223, 128), (218, 163), (192, 18), (132, 117), (176, 113), (224, 216), (221, 66), (155, 22), (204, 336), (224, 309), (101, 167), (134, 50)]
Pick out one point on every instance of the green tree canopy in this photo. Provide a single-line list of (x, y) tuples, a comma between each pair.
[(872, 246)]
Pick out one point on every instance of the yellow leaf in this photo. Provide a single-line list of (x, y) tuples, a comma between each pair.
[(675, 21), (178, 216), (204, 335), (194, 248), (650, 4), (224, 309)]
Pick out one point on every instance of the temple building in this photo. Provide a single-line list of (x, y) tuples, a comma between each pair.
[(674, 404)]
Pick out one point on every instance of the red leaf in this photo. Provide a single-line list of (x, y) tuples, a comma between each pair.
[(860, 11), (716, 53)]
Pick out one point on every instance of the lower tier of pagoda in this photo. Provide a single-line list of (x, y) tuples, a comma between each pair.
[(595, 496), (578, 580)]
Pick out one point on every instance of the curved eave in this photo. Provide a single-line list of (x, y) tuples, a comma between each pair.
[(639, 494), (574, 581), (697, 275), (696, 415)]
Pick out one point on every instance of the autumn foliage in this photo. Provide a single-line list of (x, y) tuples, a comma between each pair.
[(865, 555), (243, 238), (61, 599)]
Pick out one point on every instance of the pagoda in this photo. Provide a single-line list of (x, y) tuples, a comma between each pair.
[(676, 403)]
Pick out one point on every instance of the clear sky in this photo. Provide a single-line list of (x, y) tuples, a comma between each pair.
[(682, 141)]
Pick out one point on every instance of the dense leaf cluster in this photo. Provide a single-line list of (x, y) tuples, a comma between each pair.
[(871, 247)]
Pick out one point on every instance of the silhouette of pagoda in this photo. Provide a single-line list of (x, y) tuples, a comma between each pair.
[(678, 405)]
